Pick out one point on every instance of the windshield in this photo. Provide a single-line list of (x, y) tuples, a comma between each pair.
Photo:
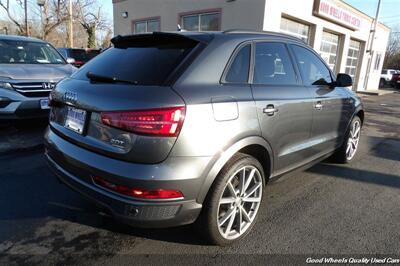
[(147, 65), (25, 52)]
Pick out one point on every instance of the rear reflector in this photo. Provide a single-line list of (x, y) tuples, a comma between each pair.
[(137, 192), (165, 122)]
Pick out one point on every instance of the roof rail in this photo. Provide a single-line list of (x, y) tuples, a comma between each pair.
[(244, 31)]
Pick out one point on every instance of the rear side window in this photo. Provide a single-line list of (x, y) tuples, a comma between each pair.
[(143, 64), (313, 71), (273, 65), (83, 55), (239, 69)]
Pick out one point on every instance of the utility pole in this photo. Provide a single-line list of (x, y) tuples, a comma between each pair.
[(26, 18), (42, 4), (371, 44), (71, 31)]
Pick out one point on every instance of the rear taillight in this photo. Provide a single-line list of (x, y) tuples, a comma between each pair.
[(137, 192), (165, 122)]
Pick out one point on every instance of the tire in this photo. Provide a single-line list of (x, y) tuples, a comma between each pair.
[(221, 210), (382, 83), (342, 154)]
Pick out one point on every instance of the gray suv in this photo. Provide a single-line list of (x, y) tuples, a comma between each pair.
[(29, 70), (166, 129)]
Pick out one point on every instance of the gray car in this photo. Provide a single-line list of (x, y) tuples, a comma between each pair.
[(167, 129), (29, 70)]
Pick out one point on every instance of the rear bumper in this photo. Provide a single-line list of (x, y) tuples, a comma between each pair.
[(15, 106), (74, 166)]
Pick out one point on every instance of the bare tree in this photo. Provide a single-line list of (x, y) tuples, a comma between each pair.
[(90, 16), (54, 14), (106, 40), (392, 57), (6, 6)]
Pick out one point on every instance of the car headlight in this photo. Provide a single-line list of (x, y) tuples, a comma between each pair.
[(5, 85)]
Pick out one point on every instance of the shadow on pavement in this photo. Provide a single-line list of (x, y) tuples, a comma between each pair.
[(356, 175)]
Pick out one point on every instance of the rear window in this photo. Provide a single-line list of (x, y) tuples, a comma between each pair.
[(83, 55), (144, 65)]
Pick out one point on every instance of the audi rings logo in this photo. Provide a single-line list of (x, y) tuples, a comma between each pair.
[(48, 85), (70, 96)]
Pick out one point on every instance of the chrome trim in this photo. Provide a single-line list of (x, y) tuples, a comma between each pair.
[(32, 91)]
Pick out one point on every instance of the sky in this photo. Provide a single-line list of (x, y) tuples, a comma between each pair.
[(389, 13)]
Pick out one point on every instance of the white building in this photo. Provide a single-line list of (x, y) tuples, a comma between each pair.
[(338, 31)]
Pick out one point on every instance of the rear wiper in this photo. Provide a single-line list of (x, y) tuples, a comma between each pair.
[(106, 79)]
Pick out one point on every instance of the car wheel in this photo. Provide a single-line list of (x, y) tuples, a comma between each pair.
[(349, 147), (381, 83), (232, 204)]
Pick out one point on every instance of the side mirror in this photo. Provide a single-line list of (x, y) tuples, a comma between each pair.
[(70, 60), (343, 80)]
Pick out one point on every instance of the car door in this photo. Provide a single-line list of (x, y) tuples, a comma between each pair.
[(284, 106), (330, 108)]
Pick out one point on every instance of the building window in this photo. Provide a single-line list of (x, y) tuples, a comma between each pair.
[(201, 21), (329, 49), (378, 60), (146, 25), (353, 58), (296, 29)]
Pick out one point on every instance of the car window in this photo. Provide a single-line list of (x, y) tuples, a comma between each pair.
[(312, 69), (273, 65), (84, 55), (239, 69), (384, 72), (27, 52), (63, 52), (392, 71), (144, 64)]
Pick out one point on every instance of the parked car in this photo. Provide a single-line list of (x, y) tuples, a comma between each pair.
[(166, 129), (386, 77), (395, 82), (29, 70), (79, 56)]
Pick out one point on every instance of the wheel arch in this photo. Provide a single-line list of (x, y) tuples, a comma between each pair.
[(255, 146)]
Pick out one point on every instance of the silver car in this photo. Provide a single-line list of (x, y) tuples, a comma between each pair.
[(29, 70), (166, 129)]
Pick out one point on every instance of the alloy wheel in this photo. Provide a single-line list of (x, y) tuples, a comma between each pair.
[(354, 138), (239, 202)]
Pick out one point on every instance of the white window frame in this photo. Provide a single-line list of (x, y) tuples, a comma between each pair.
[(146, 20), (377, 63), (333, 67), (298, 35), (199, 14), (353, 58)]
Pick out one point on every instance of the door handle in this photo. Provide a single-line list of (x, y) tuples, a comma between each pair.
[(318, 106), (270, 110)]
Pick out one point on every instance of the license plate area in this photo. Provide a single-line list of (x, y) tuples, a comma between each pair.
[(44, 104), (75, 119)]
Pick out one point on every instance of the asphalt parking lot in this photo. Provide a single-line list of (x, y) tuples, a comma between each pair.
[(327, 209)]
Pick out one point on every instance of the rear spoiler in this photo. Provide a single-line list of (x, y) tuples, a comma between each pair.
[(149, 39)]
